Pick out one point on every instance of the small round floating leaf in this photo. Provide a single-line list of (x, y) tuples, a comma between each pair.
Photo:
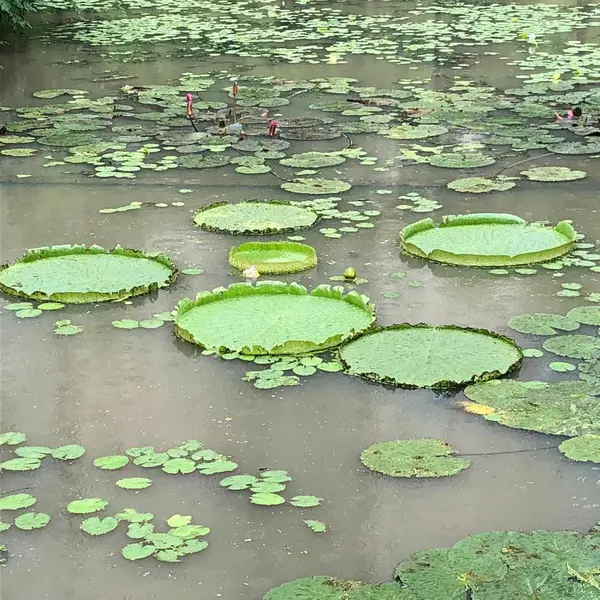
[(151, 323), (86, 506), (179, 465), (50, 306), (562, 367), (188, 532), (12, 438), (278, 476), (238, 482), (414, 132), (138, 551), (267, 487), (79, 274), (164, 540), (316, 526), (333, 366), (33, 451), (532, 353), (17, 501), (307, 321), (68, 329), (139, 531), (111, 463), (267, 499), (126, 324), (588, 315), (98, 526), (69, 452), (218, 466), (16, 306), (315, 186), (192, 271), (313, 160), (4, 526), (553, 174), (273, 257), (573, 346), (191, 547), (542, 323), (413, 458), (254, 218), (430, 356), (456, 160), (151, 460), (585, 448), (32, 520), (179, 521), (486, 240), (28, 313), (304, 371), (21, 464), (306, 501), (480, 185), (134, 483), (133, 516)]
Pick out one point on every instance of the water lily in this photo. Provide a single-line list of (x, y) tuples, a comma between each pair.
[(251, 273)]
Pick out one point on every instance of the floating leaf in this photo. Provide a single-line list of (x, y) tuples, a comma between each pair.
[(134, 483), (67, 329), (151, 323), (273, 257), (33, 451), (553, 174), (480, 185), (573, 346), (133, 516), (267, 487), (69, 452), (179, 465), (28, 313), (267, 499), (277, 476), (18, 306), (111, 463), (585, 448), (188, 532), (17, 501), (98, 526), (316, 526), (192, 271), (138, 531), (542, 323), (532, 353), (588, 315), (179, 521), (306, 501), (21, 464), (562, 367), (476, 409), (315, 186), (218, 466), (32, 520), (126, 324), (86, 506), (12, 438), (138, 551)]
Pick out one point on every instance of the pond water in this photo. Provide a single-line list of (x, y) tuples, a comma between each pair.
[(110, 389)]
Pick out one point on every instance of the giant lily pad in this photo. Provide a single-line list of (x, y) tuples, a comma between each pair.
[(79, 274), (273, 257), (429, 356), (254, 217), (558, 408), (585, 448), (413, 458), (316, 186), (488, 240), (272, 318)]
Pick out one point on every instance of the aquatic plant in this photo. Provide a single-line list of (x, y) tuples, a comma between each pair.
[(429, 356), (306, 321), (273, 257), (486, 240), (81, 274)]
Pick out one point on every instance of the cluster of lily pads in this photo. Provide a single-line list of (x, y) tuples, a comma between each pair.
[(29, 458)]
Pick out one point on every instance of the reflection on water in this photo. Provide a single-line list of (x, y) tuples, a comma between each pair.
[(109, 389)]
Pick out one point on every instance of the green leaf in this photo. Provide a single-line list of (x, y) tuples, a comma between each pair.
[(238, 482), (192, 547), (4, 527), (17, 501), (133, 516), (38, 452), (32, 520), (573, 346), (430, 356), (178, 521), (164, 541), (134, 483), (273, 257), (28, 313), (188, 532), (151, 323), (553, 174), (12, 438), (277, 476), (21, 464), (138, 551), (218, 466), (480, 185), (588, 315), (151, 460), (98, 526), (179, 465), (86, 506), (532, 353), (307, 186), (562, 367), (542, 323), (70, 452), (304, 370), (192, 271), (333, 366), (68, 330), (50, 306), (316, 526), (267, 499), (111, 463), (306, 501), (585, 448), (126, 324), (267, 487), (138, 531), (171, 556)]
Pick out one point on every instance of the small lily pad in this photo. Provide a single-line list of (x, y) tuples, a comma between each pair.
[(316, 526), (21, 464), (28, 313), (32, 520), (86, 506), (561, 367), (267, 499), (238, 482), (192, 271), (176, 466), (98, 526), (111, 463), (134, 483), (69, 452), (50, 306), (17, 501), (138, 551), (126, 324), (12, 438), (151, 323), (584, 448), (306, 501)]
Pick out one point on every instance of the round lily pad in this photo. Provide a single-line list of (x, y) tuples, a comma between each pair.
[(311, 160), (585, 448), (480, 185), (329, 588), (573, 346), (553, 174), (413, 458), (456, 160), (486, 240), (32, 520), (273, 257), (414, 132), (272, 318), (588, 315), (430, 356), (254, 217), (542, 323), (316, 186), (79, 274), (111, 463)]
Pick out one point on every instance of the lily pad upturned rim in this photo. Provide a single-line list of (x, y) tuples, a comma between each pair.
[(89, 297), (564, 228), (237, 290), (249, 231), (439, 385), (238, 261)]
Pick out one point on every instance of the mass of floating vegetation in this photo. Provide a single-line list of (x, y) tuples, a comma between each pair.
[(80, 274), (486, 240)]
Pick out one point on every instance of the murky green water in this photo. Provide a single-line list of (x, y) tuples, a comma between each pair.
[(109, 389)]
